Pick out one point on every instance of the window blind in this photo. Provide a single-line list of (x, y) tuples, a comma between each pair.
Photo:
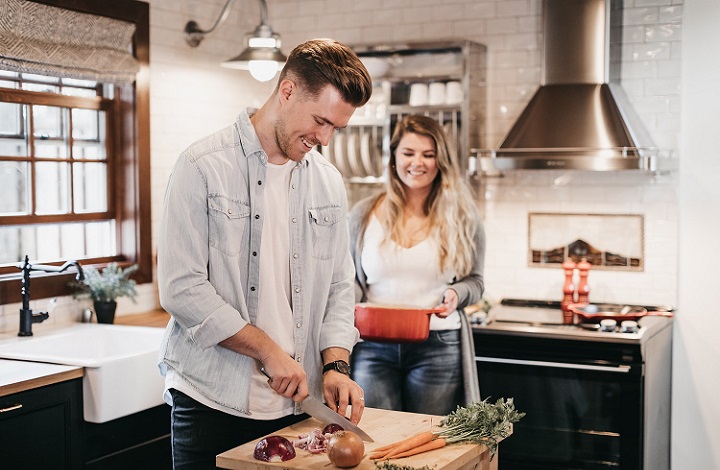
[(47, 40)]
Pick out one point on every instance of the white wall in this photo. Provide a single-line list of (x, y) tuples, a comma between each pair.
[(696, 352)]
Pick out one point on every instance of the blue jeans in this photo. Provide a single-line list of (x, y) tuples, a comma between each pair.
[(199, 433), (421, 377)]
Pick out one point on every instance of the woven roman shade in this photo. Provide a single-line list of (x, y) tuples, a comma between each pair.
[(47, 40)]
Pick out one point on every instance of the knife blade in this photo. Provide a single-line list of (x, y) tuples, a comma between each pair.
[(325, 415)]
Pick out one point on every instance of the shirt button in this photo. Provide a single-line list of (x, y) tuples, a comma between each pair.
[(298, 358), (259, 182), (254, 253), (298, 325), (297, 290), (252, 288), (296, 256), (294, 220), (293, 186), (257, 216), (326, 219)]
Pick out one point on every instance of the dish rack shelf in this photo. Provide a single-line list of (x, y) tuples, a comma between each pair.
[(361, 150)]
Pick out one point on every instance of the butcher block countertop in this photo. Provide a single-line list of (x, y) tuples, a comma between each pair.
[(157, 318), (384, 427)]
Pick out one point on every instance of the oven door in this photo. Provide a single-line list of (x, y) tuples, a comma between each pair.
[(581, 413)]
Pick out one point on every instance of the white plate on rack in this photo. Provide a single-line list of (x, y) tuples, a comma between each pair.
[(353, 155), (339, 153), (367, 153)]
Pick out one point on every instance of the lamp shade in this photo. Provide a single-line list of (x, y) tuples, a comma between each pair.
[(262, 55)]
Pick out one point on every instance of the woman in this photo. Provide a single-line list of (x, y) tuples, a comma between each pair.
[(421, 243)]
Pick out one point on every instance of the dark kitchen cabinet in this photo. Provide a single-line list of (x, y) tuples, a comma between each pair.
[(43, 428), (139, 441), (40, 428)]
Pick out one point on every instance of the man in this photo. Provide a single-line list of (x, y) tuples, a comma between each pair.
[(254, 264)]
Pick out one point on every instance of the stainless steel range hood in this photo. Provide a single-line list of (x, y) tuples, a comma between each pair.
[(577, 119)]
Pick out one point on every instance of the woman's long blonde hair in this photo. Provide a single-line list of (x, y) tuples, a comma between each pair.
[(450, 205)]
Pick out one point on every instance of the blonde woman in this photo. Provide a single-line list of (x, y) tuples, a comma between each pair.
[(420, 242)]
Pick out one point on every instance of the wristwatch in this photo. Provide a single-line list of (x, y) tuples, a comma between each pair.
[(338, 366)]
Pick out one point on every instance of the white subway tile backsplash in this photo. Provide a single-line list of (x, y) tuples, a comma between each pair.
[(512, 8), (640, 16), (671, 14)]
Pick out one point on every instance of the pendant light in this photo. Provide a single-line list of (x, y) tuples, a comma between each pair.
[(261, 56)]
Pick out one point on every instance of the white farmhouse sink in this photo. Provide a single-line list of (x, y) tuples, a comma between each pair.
[(121, 373)]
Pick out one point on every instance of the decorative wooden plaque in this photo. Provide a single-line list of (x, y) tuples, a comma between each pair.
[(607, 241)]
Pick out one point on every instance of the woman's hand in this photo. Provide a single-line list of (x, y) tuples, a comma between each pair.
[(449, 303)]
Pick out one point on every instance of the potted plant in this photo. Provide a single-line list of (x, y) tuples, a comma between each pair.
[(104, 287)]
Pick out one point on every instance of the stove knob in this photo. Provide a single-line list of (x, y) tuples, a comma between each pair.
[(608, 325), (629, 326)]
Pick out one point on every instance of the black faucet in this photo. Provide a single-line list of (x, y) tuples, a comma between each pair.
[(27, 317)]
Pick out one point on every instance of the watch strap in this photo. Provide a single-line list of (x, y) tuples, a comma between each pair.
[(338, 366)]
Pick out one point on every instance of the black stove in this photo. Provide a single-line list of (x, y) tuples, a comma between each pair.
[(543, 318), (593, 399)]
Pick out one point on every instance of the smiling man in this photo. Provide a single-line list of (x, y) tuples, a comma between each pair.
[(254, 266)]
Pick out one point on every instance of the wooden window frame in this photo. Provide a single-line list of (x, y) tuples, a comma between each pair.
[(132, 185)]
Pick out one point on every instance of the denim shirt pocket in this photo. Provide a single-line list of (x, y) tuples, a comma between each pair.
[(324, 229), (228, 221)]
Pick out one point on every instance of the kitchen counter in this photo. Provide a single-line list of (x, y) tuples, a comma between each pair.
[(157, 318), (19, 376), (384, 427)]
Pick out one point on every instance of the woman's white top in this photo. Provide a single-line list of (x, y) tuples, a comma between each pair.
[(405, 276)]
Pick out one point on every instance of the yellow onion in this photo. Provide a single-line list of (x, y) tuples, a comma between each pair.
[(345, 449)]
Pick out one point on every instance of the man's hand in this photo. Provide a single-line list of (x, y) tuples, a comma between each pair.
[(339, 391), (285, 375)]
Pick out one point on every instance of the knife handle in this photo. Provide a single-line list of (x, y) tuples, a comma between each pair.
[(262, 369)]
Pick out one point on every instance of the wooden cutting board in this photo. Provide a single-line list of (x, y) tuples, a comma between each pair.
[(384, 427)]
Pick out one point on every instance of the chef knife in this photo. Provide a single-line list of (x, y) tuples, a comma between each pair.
[(325, 415)]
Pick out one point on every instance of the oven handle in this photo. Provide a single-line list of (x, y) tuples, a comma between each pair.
[(560, 365)]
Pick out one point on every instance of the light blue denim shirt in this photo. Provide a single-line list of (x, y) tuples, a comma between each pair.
[(208, 262)]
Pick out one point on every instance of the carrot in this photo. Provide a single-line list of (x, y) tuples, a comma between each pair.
[(410, 443), (386, 449), (432, 445)]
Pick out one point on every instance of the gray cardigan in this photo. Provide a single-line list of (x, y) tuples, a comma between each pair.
[(469, 290)]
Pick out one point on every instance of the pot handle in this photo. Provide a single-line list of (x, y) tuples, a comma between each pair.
[(661, 313)]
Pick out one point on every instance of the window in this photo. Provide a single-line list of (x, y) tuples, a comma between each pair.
[(74, 167)]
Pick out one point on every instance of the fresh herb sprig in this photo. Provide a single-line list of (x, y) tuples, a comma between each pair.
[(480, 422), (385, 465)]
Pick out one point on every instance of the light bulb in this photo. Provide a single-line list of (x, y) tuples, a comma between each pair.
[(263, 70)]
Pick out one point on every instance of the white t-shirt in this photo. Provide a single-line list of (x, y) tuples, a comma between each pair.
[(274, 297), (405, 276)]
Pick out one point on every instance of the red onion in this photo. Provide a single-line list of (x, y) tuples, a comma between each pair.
[(332, 428), (274, 449)]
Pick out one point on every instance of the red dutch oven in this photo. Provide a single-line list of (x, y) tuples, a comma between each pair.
[(594, 313), (393, 324)]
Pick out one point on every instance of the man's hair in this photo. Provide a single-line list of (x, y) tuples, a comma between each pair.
[(320, 62)]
